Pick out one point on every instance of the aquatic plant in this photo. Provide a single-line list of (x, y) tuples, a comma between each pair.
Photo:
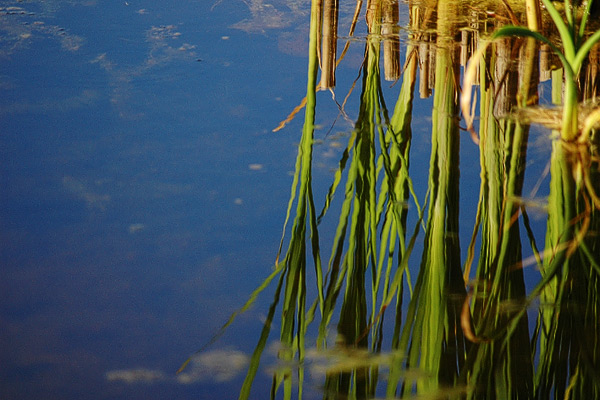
[(574, 52), (567, 324), (295, 316), (457, 337), (374, 206), (431, 337), (500, 366), (566, 334)]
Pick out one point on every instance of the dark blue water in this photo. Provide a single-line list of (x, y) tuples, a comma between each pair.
[(143, 192)]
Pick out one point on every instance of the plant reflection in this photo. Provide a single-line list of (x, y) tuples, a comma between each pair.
[(457, 336)]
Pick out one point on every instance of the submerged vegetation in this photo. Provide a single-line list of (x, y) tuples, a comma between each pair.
[(459, 328)]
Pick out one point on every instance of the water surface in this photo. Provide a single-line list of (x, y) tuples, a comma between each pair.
[(144, 190)]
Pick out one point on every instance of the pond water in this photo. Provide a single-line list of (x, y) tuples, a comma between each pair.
[(144, 192)]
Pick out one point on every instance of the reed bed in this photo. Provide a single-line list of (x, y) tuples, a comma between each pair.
[(452, 332), (500, 368)]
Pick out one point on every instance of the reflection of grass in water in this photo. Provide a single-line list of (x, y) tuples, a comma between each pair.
[(569, 336), (431, 337), (365, 216), (361, 213), (499, 367), (293, 268), (370, 254), (564, 367), (567, 333), (574, 53)]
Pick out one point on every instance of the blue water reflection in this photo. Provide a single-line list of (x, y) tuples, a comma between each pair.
[(143, 192)]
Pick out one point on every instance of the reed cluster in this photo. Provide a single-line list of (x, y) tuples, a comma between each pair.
[(453, 332)]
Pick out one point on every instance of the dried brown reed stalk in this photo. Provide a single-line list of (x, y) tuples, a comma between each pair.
[(391, 42), (329, 46), (552, 117), (302, 104)]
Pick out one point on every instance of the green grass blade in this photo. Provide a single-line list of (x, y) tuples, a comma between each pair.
[(564, 31), (583, 52), (256, 355)]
